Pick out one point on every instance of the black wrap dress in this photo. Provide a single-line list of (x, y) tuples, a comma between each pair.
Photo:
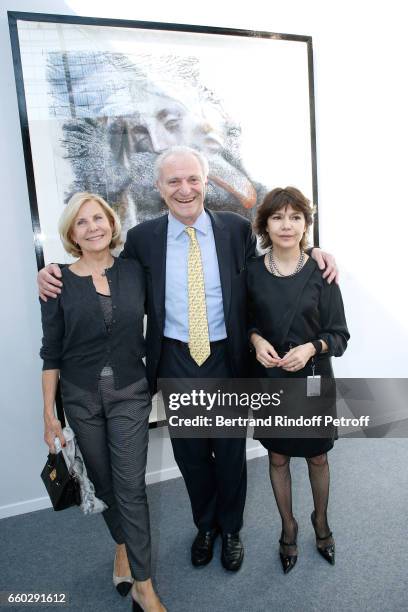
[(294, 310)]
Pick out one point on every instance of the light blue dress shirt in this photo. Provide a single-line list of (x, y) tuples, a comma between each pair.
[(176, 300)]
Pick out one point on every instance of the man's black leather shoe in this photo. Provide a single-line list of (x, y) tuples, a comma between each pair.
[(232, 553), (202, 547)]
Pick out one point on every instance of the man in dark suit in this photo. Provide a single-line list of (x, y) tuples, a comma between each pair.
[(214, 469), (195, 262)]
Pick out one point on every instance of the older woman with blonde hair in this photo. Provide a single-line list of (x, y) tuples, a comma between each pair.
[(93, 341)]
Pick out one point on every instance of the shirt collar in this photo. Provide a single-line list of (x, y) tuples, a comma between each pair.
[(176, 228)]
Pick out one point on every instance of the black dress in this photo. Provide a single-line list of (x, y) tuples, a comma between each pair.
[(289, 311)]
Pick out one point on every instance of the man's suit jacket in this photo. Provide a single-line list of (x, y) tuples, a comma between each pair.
[(235, 245)]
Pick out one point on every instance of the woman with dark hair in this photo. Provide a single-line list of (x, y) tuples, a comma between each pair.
[(298, 324)]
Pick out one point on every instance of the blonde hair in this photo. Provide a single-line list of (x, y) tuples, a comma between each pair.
[(71, 210)]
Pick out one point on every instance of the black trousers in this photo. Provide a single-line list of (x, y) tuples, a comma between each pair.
[(214, 470)]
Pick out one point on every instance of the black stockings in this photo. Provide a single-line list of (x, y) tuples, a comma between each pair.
[(319, 475), (279, 470)]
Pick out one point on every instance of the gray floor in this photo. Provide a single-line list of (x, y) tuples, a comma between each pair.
[(66, 552)]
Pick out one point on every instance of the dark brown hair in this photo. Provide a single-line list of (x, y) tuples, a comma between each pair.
[(275, 200)]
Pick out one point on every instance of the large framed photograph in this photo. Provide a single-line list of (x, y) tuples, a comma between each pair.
[(99, 99)]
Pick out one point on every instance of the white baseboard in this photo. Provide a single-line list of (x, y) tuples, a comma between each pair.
[(40, 503), (161, 475), (255, 452), (31, 505)]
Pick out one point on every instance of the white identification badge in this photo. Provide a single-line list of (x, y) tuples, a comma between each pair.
[(313, 384)]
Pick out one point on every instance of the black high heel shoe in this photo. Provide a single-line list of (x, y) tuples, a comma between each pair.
[(136, 607), (288, 561), (328, 552), (122, 584)]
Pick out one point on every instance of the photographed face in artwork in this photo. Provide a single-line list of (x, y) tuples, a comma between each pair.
[(91, 228), (161, 122), (134, 108), (286, 227), (182, 186)]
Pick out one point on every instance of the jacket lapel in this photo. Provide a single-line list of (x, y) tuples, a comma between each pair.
[(158, 268), (222, 240)]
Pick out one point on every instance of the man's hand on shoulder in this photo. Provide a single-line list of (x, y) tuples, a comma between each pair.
[(48, 283), (326, 262)]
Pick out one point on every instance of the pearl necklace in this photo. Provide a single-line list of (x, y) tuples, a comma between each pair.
[(273, 268)]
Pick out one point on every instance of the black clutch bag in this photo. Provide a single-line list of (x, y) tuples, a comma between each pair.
[(62, 487)]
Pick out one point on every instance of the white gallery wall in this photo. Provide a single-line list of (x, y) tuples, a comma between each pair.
[(361, 92)]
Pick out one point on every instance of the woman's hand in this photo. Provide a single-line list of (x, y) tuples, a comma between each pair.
[(265, 353), (52, 430), (297, 358)]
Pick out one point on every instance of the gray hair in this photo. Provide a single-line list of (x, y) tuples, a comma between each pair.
[(180, 150)]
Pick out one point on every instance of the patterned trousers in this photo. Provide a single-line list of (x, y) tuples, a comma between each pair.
[(112, 430)]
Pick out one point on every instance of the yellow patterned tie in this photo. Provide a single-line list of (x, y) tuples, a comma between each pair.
[(199, 341)]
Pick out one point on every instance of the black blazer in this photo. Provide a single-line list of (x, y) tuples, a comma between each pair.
[(235, 245)]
